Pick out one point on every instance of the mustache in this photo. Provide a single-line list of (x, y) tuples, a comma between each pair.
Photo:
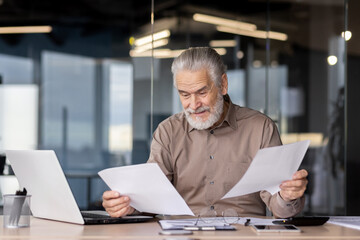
[(201, 109)]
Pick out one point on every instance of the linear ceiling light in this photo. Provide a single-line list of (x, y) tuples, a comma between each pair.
[(148, 46), (222, 43), (167, 53), (223, 22), (157, 53), (256, 34), (25, 29), (149, 38)]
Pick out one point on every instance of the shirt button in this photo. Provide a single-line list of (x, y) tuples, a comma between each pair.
[(211, 157), (212, 207), (212, 182), (212, 131)]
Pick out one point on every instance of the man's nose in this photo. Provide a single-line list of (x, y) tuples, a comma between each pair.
[(195, 102)]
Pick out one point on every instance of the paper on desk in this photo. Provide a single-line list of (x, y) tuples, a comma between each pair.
[(346, 221), (269, 168), (148, 188), (177, 224)]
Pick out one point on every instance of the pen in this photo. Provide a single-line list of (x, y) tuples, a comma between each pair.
[(198, 228), (16, 207), (247, 223)]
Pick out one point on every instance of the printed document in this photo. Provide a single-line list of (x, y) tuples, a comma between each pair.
[(269, 168), (148, 188), (178, 224), (346, 221)]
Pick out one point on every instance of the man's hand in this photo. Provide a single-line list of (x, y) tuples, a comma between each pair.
[(294, 188), (116, 205)]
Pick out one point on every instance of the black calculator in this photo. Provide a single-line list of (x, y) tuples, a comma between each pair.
[(303, 221)]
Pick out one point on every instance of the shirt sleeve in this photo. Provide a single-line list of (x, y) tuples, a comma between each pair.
[(281, 208), (160, 151), (278, 206)]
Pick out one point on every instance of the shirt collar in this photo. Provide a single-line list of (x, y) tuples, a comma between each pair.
[(230, 117)]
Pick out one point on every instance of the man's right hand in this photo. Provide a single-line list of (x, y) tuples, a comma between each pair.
[(116, 205)]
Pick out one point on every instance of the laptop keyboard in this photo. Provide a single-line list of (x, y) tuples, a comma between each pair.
[(93, 215)]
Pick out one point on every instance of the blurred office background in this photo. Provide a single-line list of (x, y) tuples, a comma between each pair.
[(89, 85)]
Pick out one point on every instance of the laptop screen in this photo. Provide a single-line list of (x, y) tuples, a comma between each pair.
[(40, 173)]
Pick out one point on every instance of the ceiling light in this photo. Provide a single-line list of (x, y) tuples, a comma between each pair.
[(157, 53), (332, 60), (274, 63), (256, 33), (257, 63), (222, 43), (224, 22), (347, 34), (25, 29), (167, 53), (240, 54), (148, 46), (151, 37), (220, 51)]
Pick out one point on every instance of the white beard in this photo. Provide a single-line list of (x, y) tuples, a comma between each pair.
[(213, 117)]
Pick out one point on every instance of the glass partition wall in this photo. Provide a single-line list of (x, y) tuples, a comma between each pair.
[(285, 59), (102, 80)]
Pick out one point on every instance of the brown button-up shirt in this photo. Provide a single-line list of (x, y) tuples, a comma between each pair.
[(204, 165)]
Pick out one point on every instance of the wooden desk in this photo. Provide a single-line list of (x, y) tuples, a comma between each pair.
[(46, 229)]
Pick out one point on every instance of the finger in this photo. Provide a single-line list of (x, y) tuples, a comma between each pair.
[(110, 203), (110, 195), (298, 192), (120, 213), (291, 195), (114, 207), (294, 184), (130, 211), (300, 174), (293, 189), (120, 210), (115, 202)]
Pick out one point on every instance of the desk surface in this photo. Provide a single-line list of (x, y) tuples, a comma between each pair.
[(47, 229)]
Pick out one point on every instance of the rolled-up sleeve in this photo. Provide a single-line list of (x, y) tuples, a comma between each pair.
[(281, 208)]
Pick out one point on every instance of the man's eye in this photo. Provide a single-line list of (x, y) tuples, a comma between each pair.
[(203, 93), (185, 95)]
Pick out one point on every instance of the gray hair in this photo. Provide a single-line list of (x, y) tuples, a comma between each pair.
[(198, 58)]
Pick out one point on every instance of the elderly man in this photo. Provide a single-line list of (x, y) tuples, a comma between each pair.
[(207, 148)]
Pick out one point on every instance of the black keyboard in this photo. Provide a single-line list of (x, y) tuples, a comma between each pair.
[(93, 215)]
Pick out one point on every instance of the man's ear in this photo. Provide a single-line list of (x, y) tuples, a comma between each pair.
[(224, 84)]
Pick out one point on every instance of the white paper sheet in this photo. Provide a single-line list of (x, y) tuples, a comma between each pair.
[(346, 221), (215, 221), (148, 188), (269, 168)]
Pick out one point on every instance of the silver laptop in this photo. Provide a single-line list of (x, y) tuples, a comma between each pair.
[(39, 171)]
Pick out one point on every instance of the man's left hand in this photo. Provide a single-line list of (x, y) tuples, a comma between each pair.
[(294, 188)]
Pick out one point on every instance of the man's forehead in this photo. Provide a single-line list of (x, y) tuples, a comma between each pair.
[(187, 80)]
